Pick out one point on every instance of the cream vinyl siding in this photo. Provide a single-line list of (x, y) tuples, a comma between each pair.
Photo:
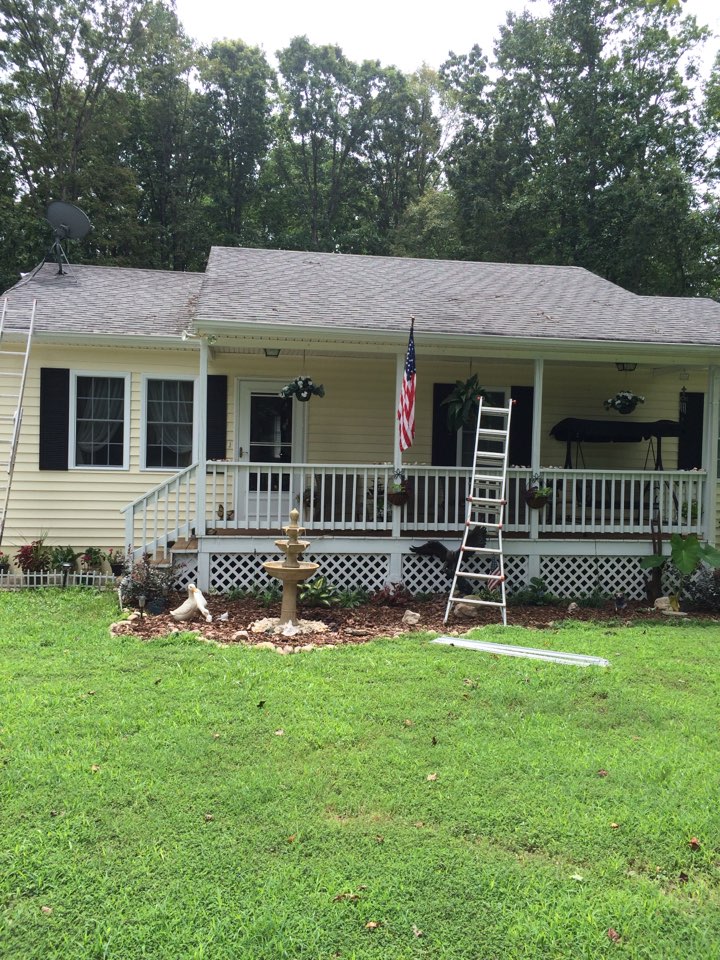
[(82, 507), (579, 391)]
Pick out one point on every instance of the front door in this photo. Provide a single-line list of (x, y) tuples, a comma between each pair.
[(270, 433)]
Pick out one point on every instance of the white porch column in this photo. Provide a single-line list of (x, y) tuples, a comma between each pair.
[(710, 451), (201, 432), (397, 456), (534, 559)]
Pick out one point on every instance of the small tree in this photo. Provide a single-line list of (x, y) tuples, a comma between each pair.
[(687, 555)]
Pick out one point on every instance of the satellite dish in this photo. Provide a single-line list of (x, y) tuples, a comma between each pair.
[(68, 223)]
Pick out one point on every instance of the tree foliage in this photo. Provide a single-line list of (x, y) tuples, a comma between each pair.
[(587, 140)]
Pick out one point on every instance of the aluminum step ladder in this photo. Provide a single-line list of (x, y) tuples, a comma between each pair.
[(482, 536), (16, 333)]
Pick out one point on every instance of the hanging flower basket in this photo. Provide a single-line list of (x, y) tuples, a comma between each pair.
[(538, 493), (398, 498), (624, 401), (303, 388), (399, 492)]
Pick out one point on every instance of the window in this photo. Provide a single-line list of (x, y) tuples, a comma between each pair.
[(99, 425), (168, 424)]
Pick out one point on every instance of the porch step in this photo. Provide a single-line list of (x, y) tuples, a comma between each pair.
[(183, 545)]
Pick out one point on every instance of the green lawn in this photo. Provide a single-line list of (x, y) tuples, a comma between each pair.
[(151, 806)]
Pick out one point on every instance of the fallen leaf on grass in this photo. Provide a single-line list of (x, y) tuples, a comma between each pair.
[(91, 693), (350, 897), (46, 910), (280, 733), (379, 838), (407, 723), (614, 826), (613, 935), (419, 824), (431, 776), (683, 878), (291, 838), (159, 680), (372, 925), (576, 876), (434, 741), (416, 932), (468, 682), (694, 843), (602, 773), (95, 768), (207, 817)]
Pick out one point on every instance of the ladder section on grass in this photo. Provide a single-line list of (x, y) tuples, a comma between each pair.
[(480, 562), (16, 332)]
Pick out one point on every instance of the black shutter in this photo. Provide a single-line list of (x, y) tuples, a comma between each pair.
[(521, 424), (690, 441), (444, 441), (216, 416), (54, 418)]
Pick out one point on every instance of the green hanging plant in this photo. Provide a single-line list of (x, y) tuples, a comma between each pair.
[(462, 404)]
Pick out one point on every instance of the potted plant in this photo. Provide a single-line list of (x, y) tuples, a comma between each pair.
[(462, 403), (537, 493), (4, 562), (62, 555), (117, 560), (624, 401), (303, 388), (34, 559), (92, 559), (399, 494)]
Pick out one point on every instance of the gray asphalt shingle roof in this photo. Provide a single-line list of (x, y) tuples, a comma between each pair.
[(110, 301), (296, 290), (290, 288)]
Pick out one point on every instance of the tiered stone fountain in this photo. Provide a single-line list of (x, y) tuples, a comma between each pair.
[(291, 571)]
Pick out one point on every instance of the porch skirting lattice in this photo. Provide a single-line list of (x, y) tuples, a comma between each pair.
[(563, 575)]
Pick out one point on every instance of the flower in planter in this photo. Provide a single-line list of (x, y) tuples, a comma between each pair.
[(4, 562), (399, 482), (92, 558), (303, 388), (537, 487), (34, 557), (624, 401)]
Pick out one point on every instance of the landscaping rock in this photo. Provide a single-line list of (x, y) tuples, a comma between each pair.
[(411, 618)]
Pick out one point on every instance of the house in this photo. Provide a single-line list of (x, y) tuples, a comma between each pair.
[(153, 416)]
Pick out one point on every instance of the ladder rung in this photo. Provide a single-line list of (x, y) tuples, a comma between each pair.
[(487, 478), (496, 411), (480, 576), (487, 500), (489, 455), (486, 550), (490, 432), (479, 603)]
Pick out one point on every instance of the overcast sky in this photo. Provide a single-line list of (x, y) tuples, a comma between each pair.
[(397, 32)]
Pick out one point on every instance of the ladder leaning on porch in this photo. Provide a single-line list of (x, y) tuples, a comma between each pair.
[(485, 509), (13, 376)]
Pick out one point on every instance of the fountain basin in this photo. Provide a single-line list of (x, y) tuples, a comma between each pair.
[(288, 574)]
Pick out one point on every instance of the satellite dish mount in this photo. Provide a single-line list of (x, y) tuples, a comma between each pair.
[(68, 223)]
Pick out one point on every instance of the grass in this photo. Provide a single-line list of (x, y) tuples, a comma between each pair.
[(151, 807)]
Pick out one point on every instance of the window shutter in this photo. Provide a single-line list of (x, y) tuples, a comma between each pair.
[(521, 424), (54, 418), (216, 416), (444, 441), (690, 441)]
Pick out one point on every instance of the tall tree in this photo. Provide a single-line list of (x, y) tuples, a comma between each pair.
[(585, 147), (236, 83)]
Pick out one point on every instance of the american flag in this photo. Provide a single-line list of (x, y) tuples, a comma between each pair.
[(406, 408), (496, 578)]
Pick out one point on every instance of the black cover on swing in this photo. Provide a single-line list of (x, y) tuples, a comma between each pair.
[(573, 430)]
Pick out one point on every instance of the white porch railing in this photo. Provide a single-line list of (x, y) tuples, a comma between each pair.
[(163, 515), (353, 498)]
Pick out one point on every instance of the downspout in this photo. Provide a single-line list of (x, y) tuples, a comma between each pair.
[(710, 454)]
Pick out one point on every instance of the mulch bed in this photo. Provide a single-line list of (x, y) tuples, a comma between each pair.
[(368, 621)]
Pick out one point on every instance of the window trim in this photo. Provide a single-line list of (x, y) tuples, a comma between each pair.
[(143, 421), (72, 424)]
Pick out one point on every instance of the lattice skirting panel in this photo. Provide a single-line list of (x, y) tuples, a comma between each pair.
[(426, 574), (578, 576), (244, 571), (186, 569)]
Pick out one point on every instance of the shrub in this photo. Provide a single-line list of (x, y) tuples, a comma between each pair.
[(92, 557), (703, 591), (148, 580), (535, 594), (351, 598)]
